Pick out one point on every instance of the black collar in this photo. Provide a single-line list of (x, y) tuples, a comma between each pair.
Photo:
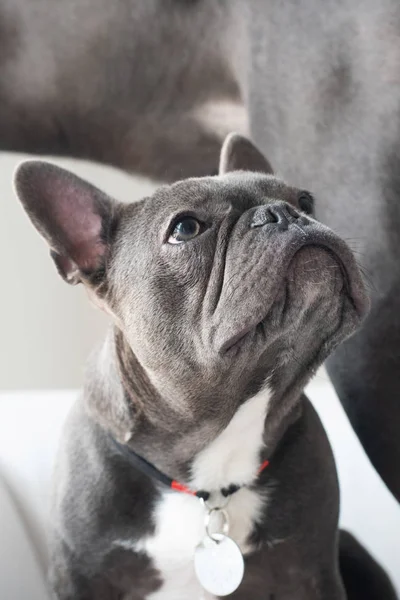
[(151, 471)]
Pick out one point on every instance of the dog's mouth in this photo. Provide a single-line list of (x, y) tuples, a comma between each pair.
[(307, 264)]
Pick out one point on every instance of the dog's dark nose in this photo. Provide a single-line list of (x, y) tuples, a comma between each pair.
[(280, 213)]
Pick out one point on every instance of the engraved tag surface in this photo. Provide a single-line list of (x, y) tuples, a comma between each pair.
[(219, 564)]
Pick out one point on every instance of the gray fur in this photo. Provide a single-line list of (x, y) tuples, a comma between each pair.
[(58, 82), (263, 293)]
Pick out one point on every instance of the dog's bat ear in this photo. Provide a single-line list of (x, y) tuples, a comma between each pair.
[(74, 217), (239, 154)]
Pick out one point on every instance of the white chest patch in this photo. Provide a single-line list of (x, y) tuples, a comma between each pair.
[(233, 457)]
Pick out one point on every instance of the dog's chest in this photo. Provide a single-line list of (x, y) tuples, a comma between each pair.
[(233, 457)]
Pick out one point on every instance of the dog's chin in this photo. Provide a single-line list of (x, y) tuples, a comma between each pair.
[(319, 276), (317, 279)]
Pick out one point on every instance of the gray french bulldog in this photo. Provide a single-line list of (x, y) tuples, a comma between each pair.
[(225, 295), (153, 86)]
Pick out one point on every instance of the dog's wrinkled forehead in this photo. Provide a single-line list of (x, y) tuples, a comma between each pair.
[(206, 198), (239, 191)]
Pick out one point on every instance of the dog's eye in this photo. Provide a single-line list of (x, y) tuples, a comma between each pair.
[(184, 230), (306, 202)]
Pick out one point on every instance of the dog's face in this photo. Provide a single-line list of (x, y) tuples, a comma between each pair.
[(219, 284)]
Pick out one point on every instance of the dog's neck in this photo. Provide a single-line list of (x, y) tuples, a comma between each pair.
[(121, 397)]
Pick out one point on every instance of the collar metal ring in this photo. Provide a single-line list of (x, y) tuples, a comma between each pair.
[(225, 524)]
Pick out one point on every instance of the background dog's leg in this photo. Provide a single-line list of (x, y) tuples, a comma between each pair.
[(366, 374), (333, 125), (363, 577)]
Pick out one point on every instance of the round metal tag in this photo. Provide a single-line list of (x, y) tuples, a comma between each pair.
[(219, 564)]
